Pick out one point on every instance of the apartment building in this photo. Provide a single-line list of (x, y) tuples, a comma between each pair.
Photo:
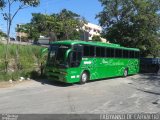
[(93, 30)]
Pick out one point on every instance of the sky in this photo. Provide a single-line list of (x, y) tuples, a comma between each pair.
[(85, 8)]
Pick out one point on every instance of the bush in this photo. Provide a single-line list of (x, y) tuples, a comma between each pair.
[(34, 74), (23, 61), (4, 77)]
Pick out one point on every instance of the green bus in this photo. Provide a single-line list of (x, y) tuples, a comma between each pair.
[(79, 61)]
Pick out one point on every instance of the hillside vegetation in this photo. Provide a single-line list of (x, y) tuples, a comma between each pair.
[(23, 61)]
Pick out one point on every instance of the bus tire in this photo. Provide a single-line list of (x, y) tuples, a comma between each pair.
[(125, 73), (84, 78)]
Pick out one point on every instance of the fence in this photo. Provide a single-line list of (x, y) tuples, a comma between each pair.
[(150, 65)]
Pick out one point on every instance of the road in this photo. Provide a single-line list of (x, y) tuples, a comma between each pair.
[(134, 94)]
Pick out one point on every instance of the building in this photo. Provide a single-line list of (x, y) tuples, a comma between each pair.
[(93, 30), (21, 36), (88, 31)]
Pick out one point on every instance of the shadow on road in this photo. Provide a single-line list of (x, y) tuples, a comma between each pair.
[(147, 78), (143, 79), (150, 92), (54, 83), (62, 84)]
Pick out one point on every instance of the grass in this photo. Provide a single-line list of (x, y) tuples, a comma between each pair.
[(23, 60)]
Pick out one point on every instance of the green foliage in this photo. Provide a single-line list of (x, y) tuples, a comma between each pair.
[(5, 77), (96, 38), (132, 23), (34, 74), (2, 34), (33, 3), (69, 23), (28, 60), (1, 3), (9, 14), (59, 26)]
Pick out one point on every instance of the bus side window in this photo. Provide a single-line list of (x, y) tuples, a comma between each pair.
[(100, 52), (136, 54), (92, 51), (103, 52), (75, 58), (107, 52), (88, 51), (110, 52), (78, 48), (131, 54), (125, 53), (118, 53)]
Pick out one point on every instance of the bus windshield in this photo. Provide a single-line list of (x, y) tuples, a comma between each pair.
[(57, 55)]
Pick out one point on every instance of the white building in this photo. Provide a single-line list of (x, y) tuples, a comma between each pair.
[(93, 30)]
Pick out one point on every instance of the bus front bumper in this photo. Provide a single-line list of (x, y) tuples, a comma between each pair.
[(57, 75)]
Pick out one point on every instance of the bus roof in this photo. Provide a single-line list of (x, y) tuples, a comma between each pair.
[(73, 42)]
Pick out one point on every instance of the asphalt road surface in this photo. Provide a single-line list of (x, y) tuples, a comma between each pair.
[(134, 94)]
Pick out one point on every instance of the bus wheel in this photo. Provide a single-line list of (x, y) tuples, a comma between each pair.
[(84, 78), (125, 74)]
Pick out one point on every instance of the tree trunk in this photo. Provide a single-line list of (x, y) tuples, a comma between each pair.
[(6, 48)]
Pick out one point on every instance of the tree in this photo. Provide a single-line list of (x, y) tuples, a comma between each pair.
[(31, 31), (1, 3), (96, 38), (9, 15), (61, 26), (2, 34), (131, 23), (45, 24), (70, 23)]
